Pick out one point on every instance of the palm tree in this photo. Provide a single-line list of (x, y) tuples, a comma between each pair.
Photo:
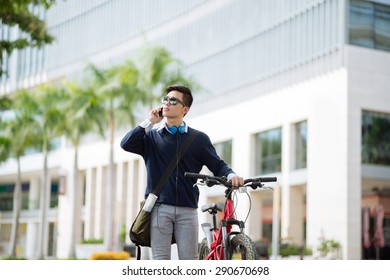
[(5, 141), (117, 90), (159, 69), (83, 115), (48, 102), (5, 138), (19, 126)]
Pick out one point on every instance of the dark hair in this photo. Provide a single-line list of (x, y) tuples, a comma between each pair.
[(187, 95)]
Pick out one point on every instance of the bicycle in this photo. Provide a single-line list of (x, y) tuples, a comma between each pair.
[(222, 243)]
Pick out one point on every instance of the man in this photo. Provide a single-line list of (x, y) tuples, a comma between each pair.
[(175, 212)]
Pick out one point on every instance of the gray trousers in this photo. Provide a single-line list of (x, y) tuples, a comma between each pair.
[(180, 221)]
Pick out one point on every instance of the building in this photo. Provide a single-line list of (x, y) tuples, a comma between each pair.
[(295, 89)]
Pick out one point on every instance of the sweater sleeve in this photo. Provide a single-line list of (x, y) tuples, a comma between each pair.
[(133, 141), (212, 160)]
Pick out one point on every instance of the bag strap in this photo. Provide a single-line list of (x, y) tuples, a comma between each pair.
[(138, 252), (187, 142)]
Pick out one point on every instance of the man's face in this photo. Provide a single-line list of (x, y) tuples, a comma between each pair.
[(170, 110)]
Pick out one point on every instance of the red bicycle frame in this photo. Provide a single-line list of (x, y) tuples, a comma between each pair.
[(220, 236)]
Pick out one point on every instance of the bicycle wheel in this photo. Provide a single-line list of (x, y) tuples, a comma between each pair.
[(204, 249), (241, 247)]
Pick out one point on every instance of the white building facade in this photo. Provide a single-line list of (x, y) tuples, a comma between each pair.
[(291, 89)]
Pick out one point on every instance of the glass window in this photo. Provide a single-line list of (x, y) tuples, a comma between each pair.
[(7, 194), (361, 21), (268, 147), (369, 25), (54, 195), (382, 27), (376, 138), (300, 145), (224, 150)]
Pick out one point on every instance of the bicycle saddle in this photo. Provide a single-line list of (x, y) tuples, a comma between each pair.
[(212, 207)]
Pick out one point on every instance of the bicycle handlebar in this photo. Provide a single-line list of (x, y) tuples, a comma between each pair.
[(214, 180), (265, 179)]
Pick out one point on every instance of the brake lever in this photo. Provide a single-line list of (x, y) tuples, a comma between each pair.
[(211, 182)]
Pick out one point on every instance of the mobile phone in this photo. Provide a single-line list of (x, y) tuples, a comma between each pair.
[(160, 113)]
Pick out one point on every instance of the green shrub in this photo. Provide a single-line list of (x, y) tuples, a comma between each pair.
[(327, 246), (92, 241), (286, 250), (14, 258)]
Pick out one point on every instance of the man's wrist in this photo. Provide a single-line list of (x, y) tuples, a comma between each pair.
[(231, 175), (147, 124)]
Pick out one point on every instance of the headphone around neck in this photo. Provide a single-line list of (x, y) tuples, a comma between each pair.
[(174, 129)]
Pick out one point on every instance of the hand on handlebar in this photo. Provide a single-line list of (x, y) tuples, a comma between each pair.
[(236, 181)]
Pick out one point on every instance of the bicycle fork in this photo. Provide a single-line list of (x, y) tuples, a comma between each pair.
[(225, 224), (225, 232), (225, 238), (207, 232)]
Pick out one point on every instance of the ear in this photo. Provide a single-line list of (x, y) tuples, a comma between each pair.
[(185, 110)]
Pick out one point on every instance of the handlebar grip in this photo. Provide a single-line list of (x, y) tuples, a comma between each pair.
[(194, 175), (267, 179)]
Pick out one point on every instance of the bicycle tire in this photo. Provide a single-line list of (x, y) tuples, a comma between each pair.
[(204, 249), (242, 247)]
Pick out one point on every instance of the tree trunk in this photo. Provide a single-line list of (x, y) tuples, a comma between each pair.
[(74, 206), (16, 212), (43, 197), (109, 227)]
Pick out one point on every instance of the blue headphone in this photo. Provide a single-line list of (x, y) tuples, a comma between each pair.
[(173, 129)]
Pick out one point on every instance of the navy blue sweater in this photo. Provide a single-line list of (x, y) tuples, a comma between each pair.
[(157, 147)]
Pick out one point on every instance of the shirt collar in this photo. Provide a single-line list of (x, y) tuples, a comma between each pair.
[(166, 127)]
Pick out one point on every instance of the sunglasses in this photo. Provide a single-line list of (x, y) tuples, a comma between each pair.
[(172, 100)]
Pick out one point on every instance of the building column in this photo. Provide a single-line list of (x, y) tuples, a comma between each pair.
[(89, 208), (241, 165), (46, 225), (256, 217), (328, 196), (78, 204), (98, 231), (297, 213), (120, 200), (32, 226), (139, 186), (353, 249), (132, 195), (65, 206), (286, 206)]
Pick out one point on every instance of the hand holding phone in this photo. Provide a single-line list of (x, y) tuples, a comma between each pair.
[(156, 115), (160, 115)]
